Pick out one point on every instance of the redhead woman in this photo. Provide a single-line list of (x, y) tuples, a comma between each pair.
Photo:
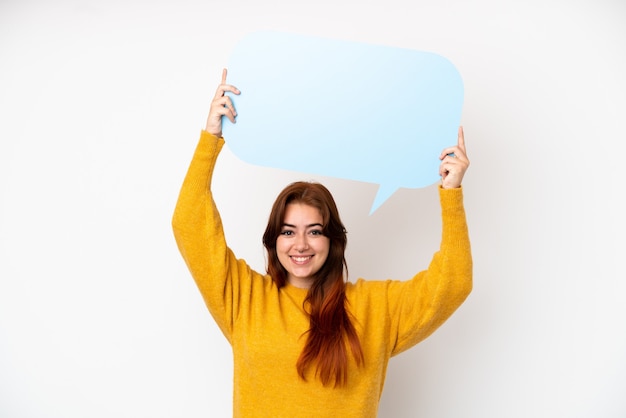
[(306, 341)]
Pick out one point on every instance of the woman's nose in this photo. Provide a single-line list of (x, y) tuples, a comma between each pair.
[(301, 243)]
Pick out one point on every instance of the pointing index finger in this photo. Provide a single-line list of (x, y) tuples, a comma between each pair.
[(461, 141)]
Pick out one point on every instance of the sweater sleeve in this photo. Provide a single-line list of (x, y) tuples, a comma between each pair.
[(420, 305), (200, 237)]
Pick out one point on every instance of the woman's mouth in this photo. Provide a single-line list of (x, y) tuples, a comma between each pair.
[(300, 259)]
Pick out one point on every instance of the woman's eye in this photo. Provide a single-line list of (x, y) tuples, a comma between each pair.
[(317, 232), (286, 233)]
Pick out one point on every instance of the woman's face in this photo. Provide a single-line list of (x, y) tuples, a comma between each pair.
[(301, 247)]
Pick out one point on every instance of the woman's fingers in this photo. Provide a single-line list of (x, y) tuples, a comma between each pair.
[(224, 107), (461, 139), (458, 150), (221, 105), (454, 163), (223, 87)]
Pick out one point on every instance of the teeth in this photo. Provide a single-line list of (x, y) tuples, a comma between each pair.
[(300, 259)]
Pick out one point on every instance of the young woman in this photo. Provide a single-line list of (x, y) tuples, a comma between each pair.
[(306, 341)]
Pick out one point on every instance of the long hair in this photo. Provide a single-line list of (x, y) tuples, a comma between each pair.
[(331, 329)]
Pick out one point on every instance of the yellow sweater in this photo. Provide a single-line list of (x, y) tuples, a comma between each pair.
[(265, 324)]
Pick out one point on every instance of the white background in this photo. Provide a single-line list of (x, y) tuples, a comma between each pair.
[(101, 104)]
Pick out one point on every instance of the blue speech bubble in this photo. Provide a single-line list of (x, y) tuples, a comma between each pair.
[(343, 109)]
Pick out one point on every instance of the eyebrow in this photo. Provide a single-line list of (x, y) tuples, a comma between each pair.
[(308, 226)]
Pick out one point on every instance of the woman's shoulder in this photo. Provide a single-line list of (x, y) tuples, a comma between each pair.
[(363, 289), (366, 288)]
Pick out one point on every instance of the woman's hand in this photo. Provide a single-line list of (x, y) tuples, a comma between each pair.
[(221, 105), (454, 163)]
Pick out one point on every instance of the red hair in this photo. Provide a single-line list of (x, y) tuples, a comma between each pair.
[(331, 329)]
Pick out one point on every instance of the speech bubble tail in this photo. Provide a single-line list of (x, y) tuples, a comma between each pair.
[(384, 192)]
